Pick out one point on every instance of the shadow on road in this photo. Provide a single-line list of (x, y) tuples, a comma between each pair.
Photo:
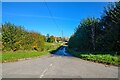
[(61, 51)]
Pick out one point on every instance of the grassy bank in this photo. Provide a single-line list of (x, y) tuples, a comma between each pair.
[(15, 56), (101, 58), (51, 46), (21, 55)]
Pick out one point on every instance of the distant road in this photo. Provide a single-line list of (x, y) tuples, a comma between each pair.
[(61, 65)]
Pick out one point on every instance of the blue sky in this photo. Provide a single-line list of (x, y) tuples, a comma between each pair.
[(35, 16)]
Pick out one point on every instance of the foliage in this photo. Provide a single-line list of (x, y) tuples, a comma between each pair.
[(111, 22), (51, 46), (98, 57), (17, 38), (93, 34), (51, 39), (10, 56), (58, 39), (84, 36)]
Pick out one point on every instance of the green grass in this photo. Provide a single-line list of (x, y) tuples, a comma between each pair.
[(51, 46), (101, 58), (15, 56)]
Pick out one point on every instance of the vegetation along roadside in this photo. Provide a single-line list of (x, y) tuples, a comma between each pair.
[(98, 39)]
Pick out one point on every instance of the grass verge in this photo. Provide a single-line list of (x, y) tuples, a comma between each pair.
[(51, 46), (23, 55), (100, 58), (16, 56)]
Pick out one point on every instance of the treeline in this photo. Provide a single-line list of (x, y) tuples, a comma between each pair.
[(52, 39), (98, 34), (17, 38)]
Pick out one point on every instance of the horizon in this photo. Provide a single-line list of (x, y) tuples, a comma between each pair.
[(59, 16)]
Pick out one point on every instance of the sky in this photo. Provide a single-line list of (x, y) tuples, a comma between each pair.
[(51, 18)]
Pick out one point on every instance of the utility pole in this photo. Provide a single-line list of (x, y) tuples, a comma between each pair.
[(62, 35)]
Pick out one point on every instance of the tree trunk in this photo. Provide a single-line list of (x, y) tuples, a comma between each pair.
[(93, 36)]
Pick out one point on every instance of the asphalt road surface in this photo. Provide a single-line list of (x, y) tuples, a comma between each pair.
[(61, 65)]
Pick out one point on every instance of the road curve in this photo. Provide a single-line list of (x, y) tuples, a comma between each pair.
[(57, 67)]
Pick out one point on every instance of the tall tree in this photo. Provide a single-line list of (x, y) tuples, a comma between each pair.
[(17, 38), (85, 35), (111, 22)]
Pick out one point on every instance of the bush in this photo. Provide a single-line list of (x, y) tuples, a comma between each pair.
[(102, 58), (17, 38), (93, 34)]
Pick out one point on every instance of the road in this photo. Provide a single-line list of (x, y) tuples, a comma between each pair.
[(61, 65)]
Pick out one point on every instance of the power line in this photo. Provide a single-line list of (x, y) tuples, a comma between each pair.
[(51, 15)]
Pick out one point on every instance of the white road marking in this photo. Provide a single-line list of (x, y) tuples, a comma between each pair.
[(45, 71), (50, 64), (41, 76)]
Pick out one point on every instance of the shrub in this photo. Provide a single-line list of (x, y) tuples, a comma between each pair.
[(17, 38)]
